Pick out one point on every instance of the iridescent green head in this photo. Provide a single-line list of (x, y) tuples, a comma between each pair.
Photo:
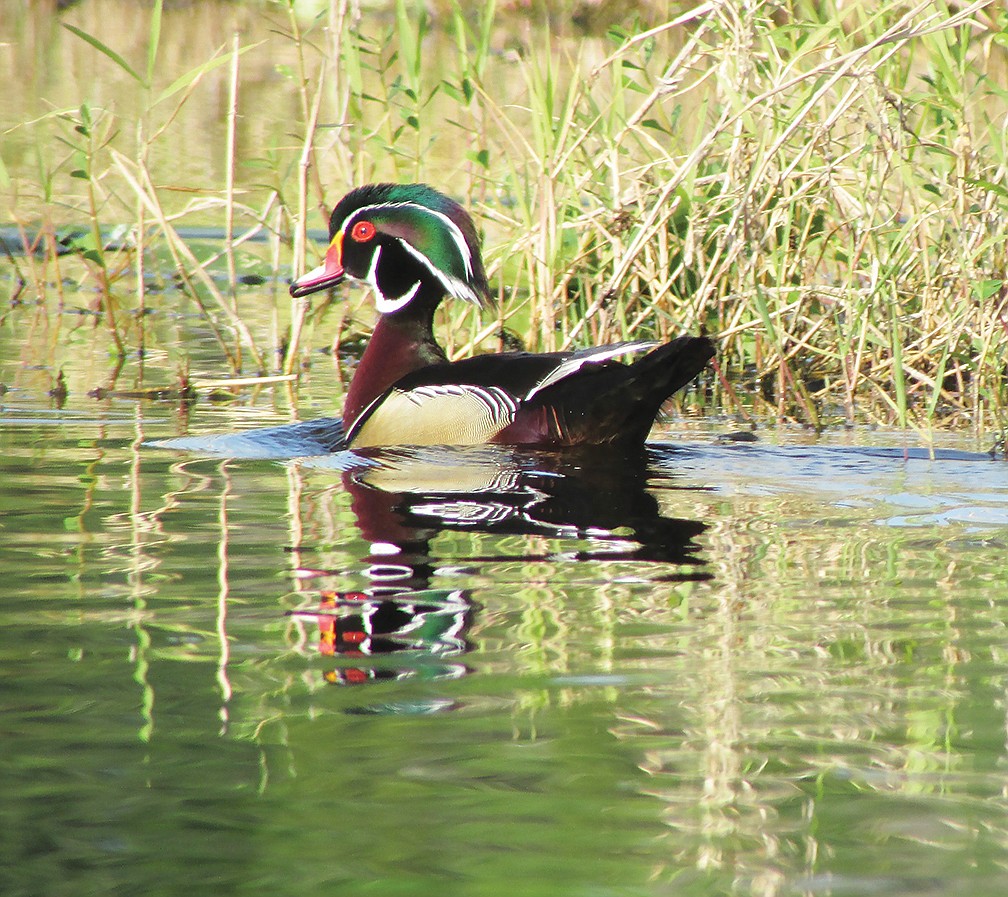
[(404, 240)]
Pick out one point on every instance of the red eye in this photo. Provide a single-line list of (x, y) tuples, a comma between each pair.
[(362, 231)]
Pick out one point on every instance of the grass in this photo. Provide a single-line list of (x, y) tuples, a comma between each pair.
[(821, 185)]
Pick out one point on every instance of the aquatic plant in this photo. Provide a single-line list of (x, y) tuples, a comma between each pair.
[(821, 185)]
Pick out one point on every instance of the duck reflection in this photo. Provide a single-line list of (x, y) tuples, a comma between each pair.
[(424, 628), (601, 500), (582, 505)]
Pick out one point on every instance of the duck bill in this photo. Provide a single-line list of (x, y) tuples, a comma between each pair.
[(326, 275)]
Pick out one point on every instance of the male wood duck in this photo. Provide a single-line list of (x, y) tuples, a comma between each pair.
[(413, 246)]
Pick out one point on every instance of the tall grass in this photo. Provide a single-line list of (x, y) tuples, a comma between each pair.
[(820, 185), (826, 195)]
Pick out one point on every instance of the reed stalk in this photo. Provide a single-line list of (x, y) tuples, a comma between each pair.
[(822, 186)]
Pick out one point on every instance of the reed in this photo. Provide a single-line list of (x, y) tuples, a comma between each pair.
[(821, 185), (831, 215), (818, 194)]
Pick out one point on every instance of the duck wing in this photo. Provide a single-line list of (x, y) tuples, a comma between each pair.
[(517, 397)]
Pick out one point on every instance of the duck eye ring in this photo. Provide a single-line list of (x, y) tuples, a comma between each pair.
[(362, 231)]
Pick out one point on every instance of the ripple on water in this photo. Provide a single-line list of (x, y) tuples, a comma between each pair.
[(727, 666)]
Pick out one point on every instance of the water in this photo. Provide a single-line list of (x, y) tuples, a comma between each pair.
[(767, 668), (771, 668)]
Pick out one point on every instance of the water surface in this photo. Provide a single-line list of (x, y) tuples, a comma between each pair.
[(244, 667), (774, 667)]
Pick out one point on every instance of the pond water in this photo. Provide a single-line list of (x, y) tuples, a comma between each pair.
[(772, 667), (247, 665)]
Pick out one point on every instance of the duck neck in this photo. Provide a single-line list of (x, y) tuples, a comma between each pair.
[(402, 342)]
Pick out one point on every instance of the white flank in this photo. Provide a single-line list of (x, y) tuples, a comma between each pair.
[(435, 414), (500, 406)]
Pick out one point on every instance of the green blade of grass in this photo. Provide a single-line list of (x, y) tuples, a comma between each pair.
[(410, 40), (105, 50), (936, 392), (183, 81), (898, 374), (153, 40)]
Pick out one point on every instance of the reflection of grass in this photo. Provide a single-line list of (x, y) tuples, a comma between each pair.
[(822, 188)]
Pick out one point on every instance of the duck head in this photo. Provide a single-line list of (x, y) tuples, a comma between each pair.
[(408, 242)]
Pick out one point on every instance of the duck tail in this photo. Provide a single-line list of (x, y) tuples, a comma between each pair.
[(616, 404)]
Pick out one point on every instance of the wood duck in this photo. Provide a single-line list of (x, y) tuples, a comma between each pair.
[(413, 246)]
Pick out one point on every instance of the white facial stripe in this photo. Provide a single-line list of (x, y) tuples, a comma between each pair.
[(457, 236), (457, 288), (372, 276), (387, 306), (382, 302)]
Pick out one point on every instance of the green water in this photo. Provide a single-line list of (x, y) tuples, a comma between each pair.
[(784, 672), (768, 668)]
